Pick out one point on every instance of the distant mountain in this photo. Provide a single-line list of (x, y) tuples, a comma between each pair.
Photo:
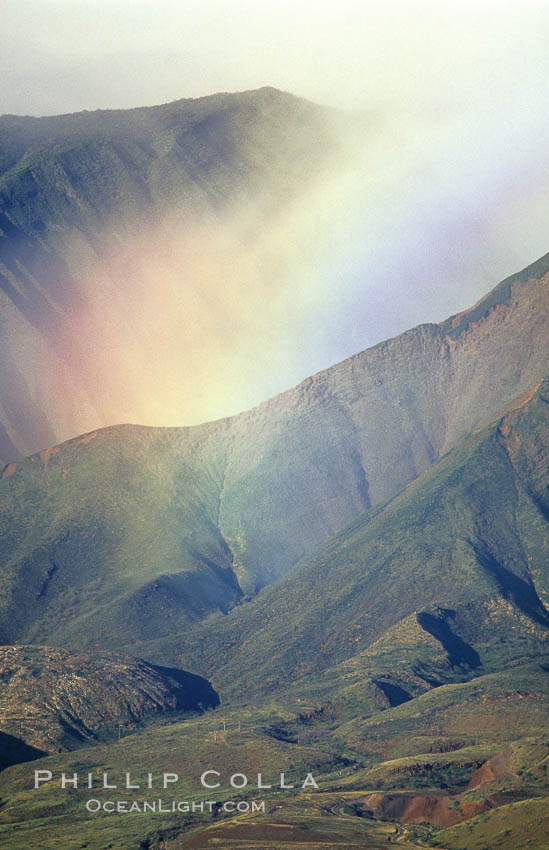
[(55, 700), (98, 209), (132, 534)]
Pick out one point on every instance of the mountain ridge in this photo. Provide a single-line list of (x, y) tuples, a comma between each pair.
[(469, 571), (195, 519), (62, 126)]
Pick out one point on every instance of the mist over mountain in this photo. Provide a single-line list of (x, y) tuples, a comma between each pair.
[(174, 264), (137, 245), (136, 532), (409, 652)]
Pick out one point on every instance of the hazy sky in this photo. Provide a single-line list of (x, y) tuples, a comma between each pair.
[(65, 55), (456, 175)]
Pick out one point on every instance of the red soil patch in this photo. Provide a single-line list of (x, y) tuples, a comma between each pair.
[(525, 397), (495, 309), (436, 809), (491, 770)]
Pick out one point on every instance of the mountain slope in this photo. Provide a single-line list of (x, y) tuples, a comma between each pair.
[(185, 522), (449, 579)]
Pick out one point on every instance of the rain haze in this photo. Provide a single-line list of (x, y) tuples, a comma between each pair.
[(448, 195)]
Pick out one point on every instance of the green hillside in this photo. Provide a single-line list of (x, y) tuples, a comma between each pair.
[(122, 542), (448, 580)]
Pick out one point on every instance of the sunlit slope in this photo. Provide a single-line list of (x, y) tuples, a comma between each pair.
[(309, 460), (129, 534), (447, 580)]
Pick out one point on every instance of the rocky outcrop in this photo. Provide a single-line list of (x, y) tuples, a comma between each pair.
[(53, 699)]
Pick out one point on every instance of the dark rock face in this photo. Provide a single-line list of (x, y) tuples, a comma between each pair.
[(14, 751), (54, 699)]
